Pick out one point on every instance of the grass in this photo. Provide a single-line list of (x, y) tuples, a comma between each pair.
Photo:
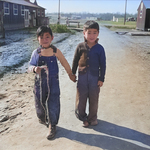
[(61, 28), (58, 28), (119, 24)]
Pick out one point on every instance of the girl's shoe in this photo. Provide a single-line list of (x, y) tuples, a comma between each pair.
[(52, 133)]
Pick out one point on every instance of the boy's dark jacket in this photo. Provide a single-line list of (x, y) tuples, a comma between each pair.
[(90, 58)]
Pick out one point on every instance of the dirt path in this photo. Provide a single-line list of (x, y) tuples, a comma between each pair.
[(124, 106)]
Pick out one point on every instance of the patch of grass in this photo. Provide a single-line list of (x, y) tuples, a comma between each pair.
[(119, 24), (58, 28)]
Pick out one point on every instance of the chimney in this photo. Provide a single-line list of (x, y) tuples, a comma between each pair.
[(35, 3)]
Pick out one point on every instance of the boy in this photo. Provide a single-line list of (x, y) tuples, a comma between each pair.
[(90, 60)]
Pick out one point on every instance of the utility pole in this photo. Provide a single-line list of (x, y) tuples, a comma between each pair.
[(125, 11), (58, 13)]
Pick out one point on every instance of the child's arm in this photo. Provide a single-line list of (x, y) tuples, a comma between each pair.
[(75, 60), (33, 61), (102, 67), (65, 64)]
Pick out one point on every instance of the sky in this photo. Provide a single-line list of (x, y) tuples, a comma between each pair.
[(90, 6)]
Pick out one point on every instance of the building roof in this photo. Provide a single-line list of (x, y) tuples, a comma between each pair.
[(23, 2), (146, 3)]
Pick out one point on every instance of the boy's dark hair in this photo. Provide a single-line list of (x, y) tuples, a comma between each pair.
[(90, 24), (43, 29)]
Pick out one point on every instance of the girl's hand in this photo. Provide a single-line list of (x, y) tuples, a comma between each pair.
[(100, 84), (38, 69)]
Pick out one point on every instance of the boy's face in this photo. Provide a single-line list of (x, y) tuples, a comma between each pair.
[(91, 35), (45, 39)]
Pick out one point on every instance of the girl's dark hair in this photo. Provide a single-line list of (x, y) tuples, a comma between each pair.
[(43, 29), (90, 24)]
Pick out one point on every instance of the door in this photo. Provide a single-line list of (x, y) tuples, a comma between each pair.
[(147, 21), (26, 17)]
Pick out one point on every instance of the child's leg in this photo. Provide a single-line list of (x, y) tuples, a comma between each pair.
[(53, 102), (93, 100), (81, 97), (39, 105)]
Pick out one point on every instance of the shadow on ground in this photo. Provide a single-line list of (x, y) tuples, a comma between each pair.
[(112, 140)]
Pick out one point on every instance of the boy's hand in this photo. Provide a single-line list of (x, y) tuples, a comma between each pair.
[(100, 83), (72, 77)]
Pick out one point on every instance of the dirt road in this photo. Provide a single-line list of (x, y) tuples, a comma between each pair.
[(124, 106)]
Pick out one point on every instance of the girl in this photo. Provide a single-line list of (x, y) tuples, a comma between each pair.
[(43, 62)]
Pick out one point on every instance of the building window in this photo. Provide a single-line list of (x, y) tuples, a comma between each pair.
[(42, 13), (15, 8), (6, 8), (22, 10), (38, 12)]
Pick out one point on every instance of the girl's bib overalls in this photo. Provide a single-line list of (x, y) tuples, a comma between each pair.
[(47, 91)]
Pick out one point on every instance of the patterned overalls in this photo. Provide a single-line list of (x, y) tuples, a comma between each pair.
[(47, 91)]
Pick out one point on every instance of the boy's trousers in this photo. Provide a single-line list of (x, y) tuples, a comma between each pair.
[(87, 91)]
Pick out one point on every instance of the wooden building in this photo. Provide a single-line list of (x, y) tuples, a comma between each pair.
[(143, 16), (18, 14)]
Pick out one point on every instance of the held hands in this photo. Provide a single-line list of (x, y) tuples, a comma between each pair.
[(72, 77), (100, 83)]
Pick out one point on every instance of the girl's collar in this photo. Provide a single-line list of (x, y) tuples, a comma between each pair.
[(45, 47)]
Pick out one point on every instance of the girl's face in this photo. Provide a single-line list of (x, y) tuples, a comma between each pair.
[(45, 39), (91, 35)]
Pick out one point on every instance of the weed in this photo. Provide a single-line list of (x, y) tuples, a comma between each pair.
[(58, 28)]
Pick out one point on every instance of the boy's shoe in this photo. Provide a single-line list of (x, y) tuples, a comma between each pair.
[(52, 133), (94, 123), (85, 124)]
